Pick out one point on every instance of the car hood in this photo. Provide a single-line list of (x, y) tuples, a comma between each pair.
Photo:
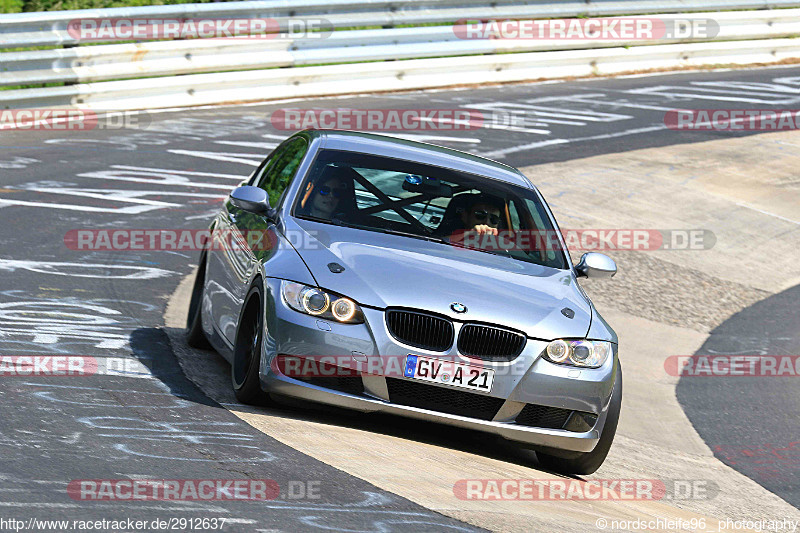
[(384, 270)]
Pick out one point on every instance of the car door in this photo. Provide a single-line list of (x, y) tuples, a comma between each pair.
[(241, 231)]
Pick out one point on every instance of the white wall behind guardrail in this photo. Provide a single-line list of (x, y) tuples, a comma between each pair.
[(745, 37)]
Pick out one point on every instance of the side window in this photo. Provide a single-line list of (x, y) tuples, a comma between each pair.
[(538, 215), (257, 173), (281, 169)]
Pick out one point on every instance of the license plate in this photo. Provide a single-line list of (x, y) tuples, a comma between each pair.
[(449, 373)]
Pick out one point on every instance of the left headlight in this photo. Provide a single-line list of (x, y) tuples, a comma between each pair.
[(582, 353), (316, 302)]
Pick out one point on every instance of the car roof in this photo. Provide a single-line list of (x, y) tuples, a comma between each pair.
[(420, 152)]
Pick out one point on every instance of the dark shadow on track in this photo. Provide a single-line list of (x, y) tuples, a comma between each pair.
[(753, 423), (151, 346), (218, 445)]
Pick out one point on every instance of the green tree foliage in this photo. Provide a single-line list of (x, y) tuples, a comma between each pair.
[(11, 6), (15, 6), (282, 170)]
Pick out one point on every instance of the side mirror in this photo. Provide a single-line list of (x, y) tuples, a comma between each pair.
[(252, 199), (595, 265)]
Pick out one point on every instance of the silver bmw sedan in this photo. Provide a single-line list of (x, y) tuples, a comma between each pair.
[(384, 275)]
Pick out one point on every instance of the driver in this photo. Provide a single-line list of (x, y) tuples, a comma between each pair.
[(482, 216), (474, 224)]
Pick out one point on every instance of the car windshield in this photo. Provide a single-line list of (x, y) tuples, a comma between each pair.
[(437, 204)]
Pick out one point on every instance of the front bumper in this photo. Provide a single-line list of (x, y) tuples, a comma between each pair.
[(527, 380)]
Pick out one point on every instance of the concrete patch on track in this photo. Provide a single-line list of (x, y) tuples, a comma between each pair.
[(670, 292), (744, 190), (662, 303)]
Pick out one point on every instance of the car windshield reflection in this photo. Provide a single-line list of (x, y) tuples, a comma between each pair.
[(415, 200)]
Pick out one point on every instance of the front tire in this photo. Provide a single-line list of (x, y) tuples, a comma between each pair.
[(247, 350), (194, 321), (587, 463)]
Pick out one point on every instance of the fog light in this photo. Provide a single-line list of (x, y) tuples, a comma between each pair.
[(580, 422)]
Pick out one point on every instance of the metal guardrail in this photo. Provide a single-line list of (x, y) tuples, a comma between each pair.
[(255, 85), (742, 35), (107, 62), (50, 28)]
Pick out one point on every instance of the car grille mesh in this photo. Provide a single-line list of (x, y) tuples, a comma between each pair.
[(490, 343), (542, 416), (421, 330), (444, 400)]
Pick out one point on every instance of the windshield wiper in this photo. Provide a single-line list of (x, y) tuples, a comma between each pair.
[(414, 235), (340, 222), (428, 238), (493, 252)]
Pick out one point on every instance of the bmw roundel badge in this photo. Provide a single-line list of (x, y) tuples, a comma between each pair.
[(458, 308)]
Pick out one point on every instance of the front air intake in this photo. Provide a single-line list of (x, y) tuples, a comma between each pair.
[(490, 343), (421, 330)]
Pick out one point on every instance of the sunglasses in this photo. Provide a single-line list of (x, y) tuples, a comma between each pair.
[(481, 215), (325, 191)]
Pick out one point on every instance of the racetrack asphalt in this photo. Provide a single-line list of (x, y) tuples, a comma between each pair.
[(172, 173)]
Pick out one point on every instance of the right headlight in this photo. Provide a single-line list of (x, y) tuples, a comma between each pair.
[(323, 304), (582, 353)]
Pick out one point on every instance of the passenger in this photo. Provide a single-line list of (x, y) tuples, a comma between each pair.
[(322, 198)]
